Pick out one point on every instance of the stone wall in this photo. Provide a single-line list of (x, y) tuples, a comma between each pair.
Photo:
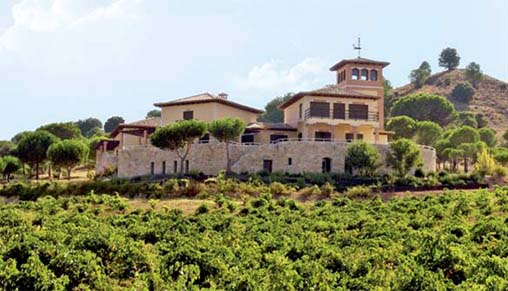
[(211, 158)]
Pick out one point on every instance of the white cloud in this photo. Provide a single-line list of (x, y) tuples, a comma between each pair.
[(273, 76)]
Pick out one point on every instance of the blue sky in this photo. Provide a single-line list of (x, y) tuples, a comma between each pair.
[(64, 60)]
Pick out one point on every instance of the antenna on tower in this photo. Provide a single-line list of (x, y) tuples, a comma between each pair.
[(358, 47)]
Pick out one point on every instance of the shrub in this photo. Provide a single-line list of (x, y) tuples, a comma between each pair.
[(277, 188), (463, 92), (362, 158), (359, 192), (327, 189), (203, 208), (311, 191)]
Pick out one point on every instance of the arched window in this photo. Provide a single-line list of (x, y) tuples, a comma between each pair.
[(365, 74), (373, 75), (355, 74)]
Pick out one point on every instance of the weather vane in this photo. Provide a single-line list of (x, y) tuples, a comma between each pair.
[(358, 47)]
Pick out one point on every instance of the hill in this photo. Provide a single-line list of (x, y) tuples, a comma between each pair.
[(490, 98)]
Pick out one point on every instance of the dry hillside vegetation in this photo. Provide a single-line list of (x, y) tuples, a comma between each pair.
[(490, 98)]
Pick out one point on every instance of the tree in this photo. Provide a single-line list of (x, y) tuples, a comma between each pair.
[(10, 166), (88, 124), (428, 132), (474, 73), (423, 106), (272, 113), (465, 118), (33, 147), (464, 134), (227, 130), (488, 136), (113, 123), (485, 164), (449, 59), (362, 158), (94, 132), (67, 154), (178, 137), (463, 92), (403, 155), (15, 139), (481, 121), (469, 151), (403, 126), (6, 148), (442, 147), (505, 136), (65, 130), (419, 76), (153, 113)]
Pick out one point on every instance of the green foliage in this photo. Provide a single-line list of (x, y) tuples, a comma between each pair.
[(178, 136), (505, 136), (474, 73), (428, 132), (33, 147), (362, 158), (6, 148), (485, 164), (68, 154), (112, 123), (65, 130), (227, 130), (465, 118), (480, 120), (464, 134), (501, 155), (153, 113), (359, 192), (87, 125), (404, 155), (419, 76), (449, 59), (403, 126), (423, 106), (463, 92), (8, 166), (488, 136), (272, 113)]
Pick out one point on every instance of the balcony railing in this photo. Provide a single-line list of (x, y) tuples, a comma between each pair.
[(342, 114)]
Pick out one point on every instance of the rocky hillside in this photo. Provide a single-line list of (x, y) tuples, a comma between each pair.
[(490, 98)]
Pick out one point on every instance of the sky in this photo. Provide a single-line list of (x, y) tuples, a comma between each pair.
[(65, 60)]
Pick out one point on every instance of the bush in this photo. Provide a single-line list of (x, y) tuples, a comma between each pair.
[(359, 192), (463, 92), (277, 188), (327, 189), (311, 191)]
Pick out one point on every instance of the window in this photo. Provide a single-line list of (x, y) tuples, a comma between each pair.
[(248, 138), (373, 75), (187, 115), (277, 137), (186, 166), (355, 74), (339, 111), (152, 168), (359, 136), (358, 111), (175, 167), (326, 165), (164, 168), (350, 137), (322, 136), (290, 161), (300, 136), (267, 165), (300, 112), (365, 74), (320, 109), (205, 138)]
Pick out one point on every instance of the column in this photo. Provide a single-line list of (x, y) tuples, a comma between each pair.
[(145, 137), (376, 135)]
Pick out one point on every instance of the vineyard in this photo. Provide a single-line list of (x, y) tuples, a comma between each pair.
[(454, 241)]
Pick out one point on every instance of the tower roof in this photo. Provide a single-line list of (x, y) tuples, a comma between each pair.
[(362, 61)]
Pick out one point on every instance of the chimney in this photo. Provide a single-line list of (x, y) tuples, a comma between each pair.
[(223, 95)]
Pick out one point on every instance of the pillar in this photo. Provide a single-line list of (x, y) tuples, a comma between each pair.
[(145, 137), (376, 135)]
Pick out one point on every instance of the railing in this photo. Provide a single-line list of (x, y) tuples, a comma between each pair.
[(342, 114), (328, 140)]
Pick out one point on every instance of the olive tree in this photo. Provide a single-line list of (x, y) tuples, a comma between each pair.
[(178, 137), (32, 148), (362, 158), (8, 166), (68, 154), (227, 130), (403, 155)]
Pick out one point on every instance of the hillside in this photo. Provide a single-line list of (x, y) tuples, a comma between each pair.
[(490, 98)]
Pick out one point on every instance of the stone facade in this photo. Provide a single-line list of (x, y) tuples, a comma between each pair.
[(210, 158)]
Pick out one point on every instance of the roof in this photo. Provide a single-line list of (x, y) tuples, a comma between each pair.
[(207, 98), (358, 61), (327, 91), (135, 129), (153, 121), (270, 126)]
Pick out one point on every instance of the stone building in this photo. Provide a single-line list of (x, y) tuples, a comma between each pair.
[(318, 126)]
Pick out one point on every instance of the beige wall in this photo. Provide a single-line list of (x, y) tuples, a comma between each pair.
[(206, 112), (264, 135)]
